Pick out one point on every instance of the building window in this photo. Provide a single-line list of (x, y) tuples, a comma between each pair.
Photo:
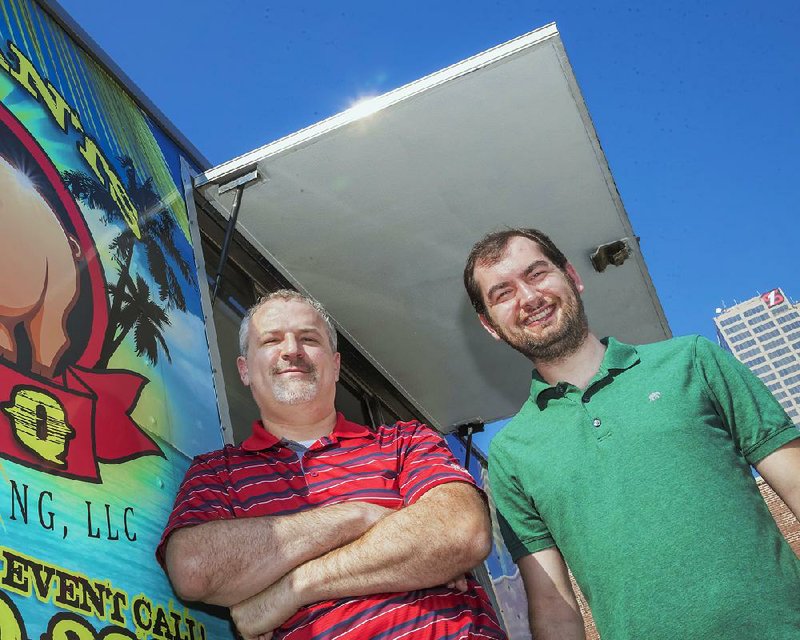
[(789, 369), (792, 336), (768, 378), (761, 370), (793, 390), (763, 327), (791, 380), (783, 361), (744, 345), (773, 344), (729, 321), (757, 319), (753, 311), (739, 336), (771, 334), (755, 361), (792, 315), (780, 395), (792, 325), (748, 354), (791, 413), (778, 352)]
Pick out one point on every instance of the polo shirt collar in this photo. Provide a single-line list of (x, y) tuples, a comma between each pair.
[(618, 357), (261, 439)]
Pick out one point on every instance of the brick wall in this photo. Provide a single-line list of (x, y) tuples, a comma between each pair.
[(787, 523)]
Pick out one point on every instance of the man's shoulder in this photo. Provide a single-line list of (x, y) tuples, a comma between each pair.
[(672, 350), (519, 425), (217, 456), (406, 429)]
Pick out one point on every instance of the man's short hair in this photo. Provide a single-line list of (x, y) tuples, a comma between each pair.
[(284, 294), (489, 250)]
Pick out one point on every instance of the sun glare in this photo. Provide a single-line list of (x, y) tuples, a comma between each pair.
[(364, 107)]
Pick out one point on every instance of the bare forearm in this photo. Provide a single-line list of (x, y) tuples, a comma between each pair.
[(572, 630), (567, 626), (426, 544), (228, 561), (781, 470), (553, 611)]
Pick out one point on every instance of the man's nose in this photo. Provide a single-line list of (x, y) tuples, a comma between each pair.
[(290, 348), (528, 294)]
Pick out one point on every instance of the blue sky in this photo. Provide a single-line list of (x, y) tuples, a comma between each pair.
[(695, 104)]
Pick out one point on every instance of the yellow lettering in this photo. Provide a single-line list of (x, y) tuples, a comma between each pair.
[(142, 613), (108, 177), (16, 573), (68, 590), (40, 423), (63, 114), (69, 628), (10, 620), (27, 75)]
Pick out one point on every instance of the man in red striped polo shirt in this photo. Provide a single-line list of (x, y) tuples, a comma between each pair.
[(316, 527)]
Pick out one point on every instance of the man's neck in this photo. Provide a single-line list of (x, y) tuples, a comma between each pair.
[(298, 423), (577, 368)]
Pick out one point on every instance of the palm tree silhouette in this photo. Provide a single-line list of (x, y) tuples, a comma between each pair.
[(132, 306), (146, 318)]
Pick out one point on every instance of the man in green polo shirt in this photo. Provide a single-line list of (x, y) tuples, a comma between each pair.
[(632, 464)]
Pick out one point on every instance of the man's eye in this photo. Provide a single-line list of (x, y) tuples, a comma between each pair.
[(505, 294), (310, 339)]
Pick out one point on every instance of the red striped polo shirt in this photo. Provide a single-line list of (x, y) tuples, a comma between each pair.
[(392, 467)]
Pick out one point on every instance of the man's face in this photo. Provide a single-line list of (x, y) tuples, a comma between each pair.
[(289, 356), (531, 304)]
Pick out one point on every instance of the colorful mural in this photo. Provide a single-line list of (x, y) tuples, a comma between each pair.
[(106, 388)]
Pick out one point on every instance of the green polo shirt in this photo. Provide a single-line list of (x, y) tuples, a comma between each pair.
[(642, 481)]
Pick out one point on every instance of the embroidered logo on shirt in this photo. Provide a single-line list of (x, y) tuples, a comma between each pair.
[(655, 395)]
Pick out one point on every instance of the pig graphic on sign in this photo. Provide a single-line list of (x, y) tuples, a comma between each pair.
[(41, 281), (59, 411)]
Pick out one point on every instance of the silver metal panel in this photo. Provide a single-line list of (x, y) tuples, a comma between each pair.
[(374, 216)]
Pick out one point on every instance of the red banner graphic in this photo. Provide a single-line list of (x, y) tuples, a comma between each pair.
[(68, 428)]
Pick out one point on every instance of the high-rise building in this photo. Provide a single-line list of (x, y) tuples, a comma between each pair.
[(764, 333)]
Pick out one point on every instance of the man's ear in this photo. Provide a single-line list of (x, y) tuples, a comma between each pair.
[(488, 326), (244, 374), (575, 277)]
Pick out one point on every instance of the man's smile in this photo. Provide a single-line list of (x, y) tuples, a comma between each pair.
[(544, 313)]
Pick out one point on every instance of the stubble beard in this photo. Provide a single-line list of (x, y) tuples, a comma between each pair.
[(292, 391), (555, 346)]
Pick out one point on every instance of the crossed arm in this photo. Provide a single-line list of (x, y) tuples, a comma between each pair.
[(442, 535), (227, 561)]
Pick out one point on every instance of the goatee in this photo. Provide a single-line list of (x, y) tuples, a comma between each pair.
[(291, 390)]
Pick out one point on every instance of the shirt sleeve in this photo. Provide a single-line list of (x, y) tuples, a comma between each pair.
[(202, 497), (523, 530), (754, 418), (425, 461)]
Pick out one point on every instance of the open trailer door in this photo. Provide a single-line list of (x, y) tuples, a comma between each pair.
[(373, 212)]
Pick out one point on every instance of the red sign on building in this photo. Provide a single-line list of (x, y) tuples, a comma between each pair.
[(773, 298)]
